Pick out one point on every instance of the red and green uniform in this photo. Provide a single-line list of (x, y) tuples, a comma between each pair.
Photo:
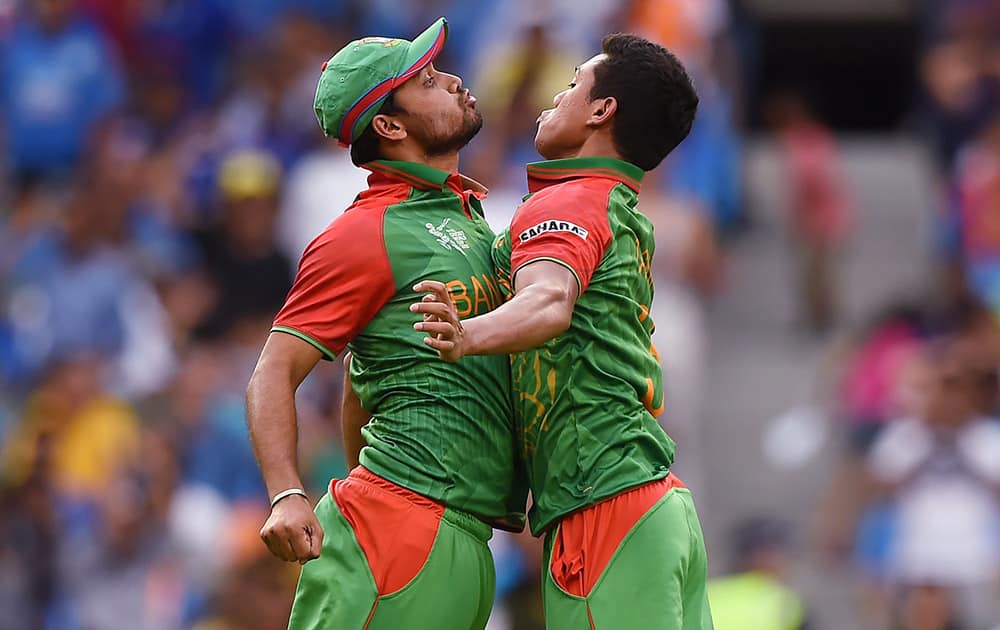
[(587, 403), (440, 442)]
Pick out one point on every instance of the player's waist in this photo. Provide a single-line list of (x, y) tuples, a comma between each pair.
[(550, 507), (463, 520)]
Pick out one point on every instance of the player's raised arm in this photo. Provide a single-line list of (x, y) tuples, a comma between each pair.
[(291, 532)]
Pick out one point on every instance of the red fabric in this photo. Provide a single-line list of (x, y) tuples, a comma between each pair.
[(345, 277), (543, 227), (394, 526), (587, 540)]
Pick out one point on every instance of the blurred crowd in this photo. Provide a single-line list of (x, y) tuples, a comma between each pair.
[(162, 172), (914, 506)]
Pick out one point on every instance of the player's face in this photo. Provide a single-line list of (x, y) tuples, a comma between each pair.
[(438, 112), (563, 129)]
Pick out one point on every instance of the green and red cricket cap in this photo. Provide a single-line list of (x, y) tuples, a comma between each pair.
[(359, 78)]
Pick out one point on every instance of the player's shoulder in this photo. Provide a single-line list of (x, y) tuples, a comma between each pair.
[(589, 191), (361, 225), (584, 198)]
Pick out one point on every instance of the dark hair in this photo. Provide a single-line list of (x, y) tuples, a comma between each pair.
[(368, 148), (656, 99)]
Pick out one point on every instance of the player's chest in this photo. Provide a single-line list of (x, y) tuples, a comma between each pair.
[(449, 247)]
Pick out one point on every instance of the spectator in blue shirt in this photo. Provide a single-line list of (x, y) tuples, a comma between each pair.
[(58, 78)]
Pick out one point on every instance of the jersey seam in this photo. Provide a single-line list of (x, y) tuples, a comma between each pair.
[(385, 248), (607, 217), (288, 330), (565, 264)]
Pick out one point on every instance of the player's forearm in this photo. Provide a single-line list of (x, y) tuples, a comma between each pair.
[(532, 317), (273, 428)]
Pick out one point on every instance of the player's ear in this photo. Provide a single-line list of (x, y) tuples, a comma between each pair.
[(602, 111), (388, 127)]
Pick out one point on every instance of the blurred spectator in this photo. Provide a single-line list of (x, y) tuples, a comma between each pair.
[(199, 412), (926, 607), (959, 71), (940, 473), (79, 431), (977, 216), (190, 39), (819, 206), (29, 531), (71, 289), (755, 597), (250, 274), (58, 79), (254, 592), (316, 188), (127, 576), (706, 167), (515, 83)]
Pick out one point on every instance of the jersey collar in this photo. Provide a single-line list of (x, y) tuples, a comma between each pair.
[(548, 172), (426, 177)]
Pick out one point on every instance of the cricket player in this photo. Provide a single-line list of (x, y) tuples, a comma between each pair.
[(402, 542), (623, 544)]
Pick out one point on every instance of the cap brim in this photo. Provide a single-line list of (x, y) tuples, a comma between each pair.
[(423, 49)]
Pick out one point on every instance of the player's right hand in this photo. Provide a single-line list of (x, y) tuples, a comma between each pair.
[(292, 531)]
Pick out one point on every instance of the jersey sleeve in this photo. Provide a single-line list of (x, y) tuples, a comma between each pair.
[(343, 280), (571, 230)]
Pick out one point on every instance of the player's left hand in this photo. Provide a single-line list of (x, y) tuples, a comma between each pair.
[(441, 321)]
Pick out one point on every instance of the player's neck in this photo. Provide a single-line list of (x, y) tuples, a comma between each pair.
[(410, 153), (599, 145)]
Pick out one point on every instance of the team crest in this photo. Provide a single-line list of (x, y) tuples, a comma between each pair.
[(385, 41), (449, 238)]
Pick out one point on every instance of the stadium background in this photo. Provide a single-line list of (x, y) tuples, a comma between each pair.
[(827, 270)]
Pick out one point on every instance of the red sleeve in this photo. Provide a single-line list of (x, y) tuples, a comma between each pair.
[(568, 227), (344, 278)]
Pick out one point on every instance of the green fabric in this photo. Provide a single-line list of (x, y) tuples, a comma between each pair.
[(754, 600), (443, 430), (360, 66), (583, 429), (453, 591), (655, 581)]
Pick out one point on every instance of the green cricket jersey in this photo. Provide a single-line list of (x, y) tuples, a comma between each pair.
[(587, 401), (442, 430)]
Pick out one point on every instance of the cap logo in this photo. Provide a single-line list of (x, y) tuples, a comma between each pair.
[(385, 41)]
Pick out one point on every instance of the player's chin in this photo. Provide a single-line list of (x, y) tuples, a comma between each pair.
[(541, 141), (474, 119)]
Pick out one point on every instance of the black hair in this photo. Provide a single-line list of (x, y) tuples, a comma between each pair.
[(368, 146), (656, 99)]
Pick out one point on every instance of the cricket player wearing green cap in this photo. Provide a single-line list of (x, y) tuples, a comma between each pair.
[(623, 544), (402, 542)]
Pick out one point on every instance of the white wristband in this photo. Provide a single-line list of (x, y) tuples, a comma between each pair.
[(287, 493)]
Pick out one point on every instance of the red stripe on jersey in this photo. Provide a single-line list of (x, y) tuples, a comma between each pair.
[(579, 203), (344, 277)]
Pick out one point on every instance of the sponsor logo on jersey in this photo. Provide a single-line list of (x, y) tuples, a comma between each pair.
[(553, 226), (447, 237)]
